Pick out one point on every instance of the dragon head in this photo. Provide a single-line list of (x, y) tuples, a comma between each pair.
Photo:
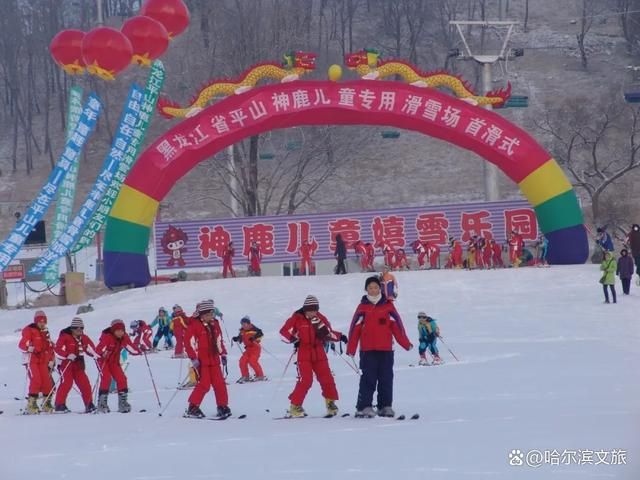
[(305, 60), (366, 56)]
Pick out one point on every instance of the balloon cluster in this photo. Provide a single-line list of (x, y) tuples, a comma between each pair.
[(105, 52)]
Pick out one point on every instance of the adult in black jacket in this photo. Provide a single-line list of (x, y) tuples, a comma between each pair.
[(340, 254), (634, 244)]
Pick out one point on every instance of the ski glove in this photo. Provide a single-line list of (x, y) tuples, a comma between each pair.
[(195, 362), (71, 357), (344, 338), (223, 358), (296, 345), (236, 339)]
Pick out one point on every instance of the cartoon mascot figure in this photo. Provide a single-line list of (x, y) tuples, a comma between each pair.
[(173, 244)]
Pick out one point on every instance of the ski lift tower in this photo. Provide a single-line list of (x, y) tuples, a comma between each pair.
[(491, 191)]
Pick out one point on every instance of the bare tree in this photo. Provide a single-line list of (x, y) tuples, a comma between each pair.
[(598, 145), (629, 11)]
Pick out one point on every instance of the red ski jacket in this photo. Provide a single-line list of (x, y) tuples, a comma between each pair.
[(67, 344), (109, 347), (41, 342), (144, 335), (204, 342), (375, 326), (251, 337), (311, 343)]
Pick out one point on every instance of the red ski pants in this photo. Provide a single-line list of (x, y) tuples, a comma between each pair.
[(304, 265), (421, 256), (111, 370), (179, 334), (364, 262), (486, 257), (433, 260), (73, 373), (227, 268), (251, 358), (210, 376), (306, 369), (39, 377)]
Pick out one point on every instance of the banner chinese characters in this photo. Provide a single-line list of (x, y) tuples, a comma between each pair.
[(201, 243)]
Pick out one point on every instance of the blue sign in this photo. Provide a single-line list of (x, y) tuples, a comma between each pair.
[(12, 245), (128, 121)]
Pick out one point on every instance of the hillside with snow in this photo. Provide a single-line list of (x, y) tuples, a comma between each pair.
[(544, 365)]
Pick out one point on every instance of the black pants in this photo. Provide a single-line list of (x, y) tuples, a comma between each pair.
[(606, 294), (340, 268), (636, 259), (626, 285), (377, 374)]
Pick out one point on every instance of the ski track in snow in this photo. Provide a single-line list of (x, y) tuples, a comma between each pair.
[(543, 365)]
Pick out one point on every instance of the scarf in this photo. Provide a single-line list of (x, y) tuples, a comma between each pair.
[(375, 299)]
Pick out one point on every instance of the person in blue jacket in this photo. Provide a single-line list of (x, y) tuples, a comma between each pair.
[(543, 246), (428, 333), (603, 239), (163, 321)]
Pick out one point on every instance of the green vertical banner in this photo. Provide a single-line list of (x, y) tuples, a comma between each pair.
[(67, 192), (151, 93)]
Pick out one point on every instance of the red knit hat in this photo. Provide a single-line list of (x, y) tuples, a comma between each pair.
[(117, 324), (39, 316)]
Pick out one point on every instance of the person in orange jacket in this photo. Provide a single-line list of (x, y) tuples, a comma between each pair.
[(179, 322), (227, 260), (39, 358), (308, 330), (71, 347), (306, 252), (250, 336), (389, 284), (113, 340), (205, 347)]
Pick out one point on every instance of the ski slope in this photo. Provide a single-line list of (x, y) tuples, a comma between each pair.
[(544, 365)]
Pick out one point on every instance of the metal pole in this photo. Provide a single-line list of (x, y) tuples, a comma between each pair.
[(100, 18), (491, 191), (233, 181), (99, 260)]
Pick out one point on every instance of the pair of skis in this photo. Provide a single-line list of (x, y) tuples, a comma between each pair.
[(415, 416), (226, 417)]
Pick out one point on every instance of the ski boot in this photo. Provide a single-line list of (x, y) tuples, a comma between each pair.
[(243, 379), (436, 359), (103, 403), (47, 407), (366, 412), (386, 412), (224, 412), (296, 411), (32, 406), (260, 378), (90, 408), (423, 362), (193, 411), (62, 409), (332, 408), (123, 404)]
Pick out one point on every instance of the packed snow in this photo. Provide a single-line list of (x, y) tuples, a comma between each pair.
[(544, 365)]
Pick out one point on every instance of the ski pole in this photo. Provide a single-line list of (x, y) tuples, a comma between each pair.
[(174, 395), (224, 325), (152, 380), (94, 392), (452, 354), (351, 366), (57, 384), (279, 384), (272, 355)]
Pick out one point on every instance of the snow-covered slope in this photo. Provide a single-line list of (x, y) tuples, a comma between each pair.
[(543, 365)]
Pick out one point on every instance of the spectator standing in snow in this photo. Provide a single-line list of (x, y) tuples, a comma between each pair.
[(375, 324), (634, 243), (625, 270), (608, 278), (341, 255)]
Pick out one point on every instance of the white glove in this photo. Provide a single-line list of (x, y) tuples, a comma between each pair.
[(71, 357), (30, 349)]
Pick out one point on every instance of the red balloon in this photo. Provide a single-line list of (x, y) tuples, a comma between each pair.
[(148, 38), (66, 50), (173, 14), (106, 52)]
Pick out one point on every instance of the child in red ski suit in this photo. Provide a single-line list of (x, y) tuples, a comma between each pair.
[(250, 336), (308, 330)]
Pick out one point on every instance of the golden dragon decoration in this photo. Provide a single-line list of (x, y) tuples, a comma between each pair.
[(295, 65), (369, 65)]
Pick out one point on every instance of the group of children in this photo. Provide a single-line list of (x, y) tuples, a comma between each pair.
[(198, 337)]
